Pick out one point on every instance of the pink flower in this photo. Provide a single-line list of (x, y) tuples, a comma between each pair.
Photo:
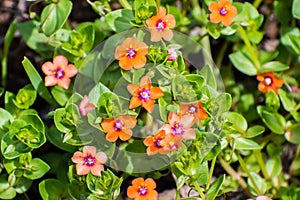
[(59, 72), (85, 106), (180, 126), (89, 161), (172, 55)]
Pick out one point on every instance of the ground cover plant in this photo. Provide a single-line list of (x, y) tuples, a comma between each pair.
[(132, 99)]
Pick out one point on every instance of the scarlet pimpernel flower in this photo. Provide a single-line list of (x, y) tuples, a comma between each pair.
[(222, 11), (194, 109), (269, 82), (142, 189), (160, 25), (144, 94), (89, 160), (119, 127), (59, 72), (85, 106), (180, 126), (155, 143), (131, 54)]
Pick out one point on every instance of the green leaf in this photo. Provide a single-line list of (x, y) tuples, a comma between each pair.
[(119, 20), (37, 82), (52, 189), (209, 76), (246, 144), (5, 118), (290, 38), (274, 66), (293, 134), (274, 167), (54, 16), (6, 191), (237, 120), (274, 121), (286, 100), (254, 131), (25, 97), (272, 101), (255, 36), (259, 181), (22, 185), (36, 169), (296, 9), (243, 63), (61, 95), (176, 13), (215, 188)]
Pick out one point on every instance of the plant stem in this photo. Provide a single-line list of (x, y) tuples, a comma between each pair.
[(235, 175), (244, 167), (250, 48), (261, 163), (125, 4), (199, 191), (177, 194), (211, 170), (256, 3)]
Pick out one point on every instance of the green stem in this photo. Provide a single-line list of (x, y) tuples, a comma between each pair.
[(196, 9), (125, 4), (211, 170), (26, 196), (4, 71), (158, 3), (250, 48), (261, 163), (244, 167), (221, 54), (256, 3), (294, 160), (235, 175), (199, 191)]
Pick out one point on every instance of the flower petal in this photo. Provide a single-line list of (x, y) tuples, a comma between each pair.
[(156, 93), (101, 157), (187, 121), (151, 185), (50, 81), (129, 121), (167, 34), (170, 19), (148, 105), (155, 35), (133, 88), (70, 71), (134, 102), (64, 82), (215, 17), (189, 134), (96, 169), (77, 157), (213, 7), (112, 136), (137, 182), (125, 134), (152, 195), (132, 192), (48, 68), (82, 169), (139, 61), (148, 141), (173, 117), (108, 124), (126, 63), (91, 150), (60, 61)]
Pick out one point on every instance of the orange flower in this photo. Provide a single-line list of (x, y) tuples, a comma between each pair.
[(131, 54), (269, 81), (194, 109), (144, 94), (142, 189), (85, 106), (89, 161), (59, 72), (160, 25), (119, 127), (222, 11), (180, 125), (155, 143)]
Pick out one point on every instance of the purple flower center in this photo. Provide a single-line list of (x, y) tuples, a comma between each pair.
[(161, 25), (223, 11), (131, 53), (89, 160), (144, 94), (268, 81), (142, 190), (157, 142), (173, 146), (59, 73), (192, 109), (177, 129), (118, 125)]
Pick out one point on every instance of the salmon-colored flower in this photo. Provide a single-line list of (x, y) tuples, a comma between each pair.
[(144, 94), (142, 189), (269, 81), (172, 142), (160, 25), (155, 143), (89, 161), (119, 127), (59, 72), (180, 125), (222, 11), (85, 106), (131, 54), (194, 109)]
